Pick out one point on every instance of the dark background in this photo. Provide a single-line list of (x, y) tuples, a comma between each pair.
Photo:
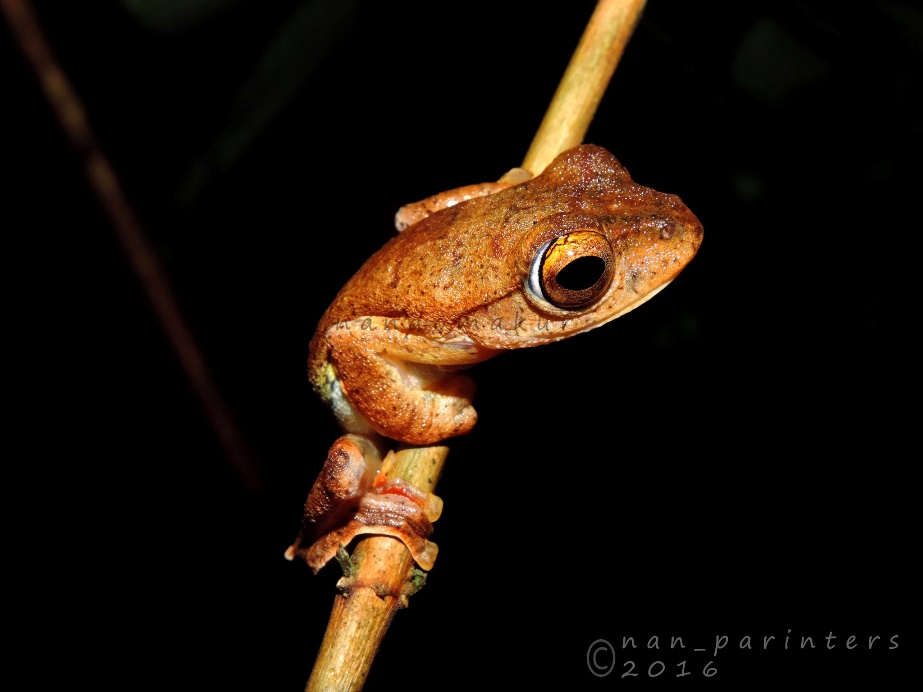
[(734, 458)]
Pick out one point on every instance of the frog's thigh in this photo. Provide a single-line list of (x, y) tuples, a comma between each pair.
[(349, 472), (392, 378)]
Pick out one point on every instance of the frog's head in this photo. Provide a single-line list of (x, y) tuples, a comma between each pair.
[(596, 245)]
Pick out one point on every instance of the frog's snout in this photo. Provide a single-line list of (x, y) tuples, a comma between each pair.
[(693, 232), (681, 230)]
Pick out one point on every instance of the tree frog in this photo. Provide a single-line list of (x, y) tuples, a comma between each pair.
[(472, 273)]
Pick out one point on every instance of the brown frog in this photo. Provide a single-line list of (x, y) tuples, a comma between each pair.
[(474, 272)]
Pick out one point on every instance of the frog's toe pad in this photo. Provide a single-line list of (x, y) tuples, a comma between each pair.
[(386, 514)]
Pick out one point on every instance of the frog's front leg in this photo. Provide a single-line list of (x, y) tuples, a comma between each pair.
[(353, 495), (403, 383), (409, 214)]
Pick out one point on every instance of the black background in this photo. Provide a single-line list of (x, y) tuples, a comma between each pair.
[(732, 459)]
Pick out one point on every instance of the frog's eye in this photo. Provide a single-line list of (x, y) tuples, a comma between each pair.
[(572, 271)]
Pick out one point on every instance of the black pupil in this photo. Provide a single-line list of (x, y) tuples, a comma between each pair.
[(581, 274)]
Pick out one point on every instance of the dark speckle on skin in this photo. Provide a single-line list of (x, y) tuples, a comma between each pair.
[(630, 279), (667, 228)]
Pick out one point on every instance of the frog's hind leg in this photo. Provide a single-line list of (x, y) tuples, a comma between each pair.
[(353, 495)]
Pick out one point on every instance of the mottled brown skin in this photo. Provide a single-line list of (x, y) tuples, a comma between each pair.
[(447, 279), (454, 289)]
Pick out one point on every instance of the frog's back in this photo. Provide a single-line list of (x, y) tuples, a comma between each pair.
[(472, 255)]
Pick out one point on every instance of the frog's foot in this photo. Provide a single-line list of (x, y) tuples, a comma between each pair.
[(352, 497), (390, 515)]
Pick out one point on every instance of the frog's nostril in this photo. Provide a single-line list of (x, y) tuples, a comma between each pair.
[(667, 229)]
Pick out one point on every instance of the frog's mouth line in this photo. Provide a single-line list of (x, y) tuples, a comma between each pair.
[(637, 303)]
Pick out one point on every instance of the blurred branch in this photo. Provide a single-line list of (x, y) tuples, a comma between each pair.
[(303, 42), (174, 18), (105, 185)]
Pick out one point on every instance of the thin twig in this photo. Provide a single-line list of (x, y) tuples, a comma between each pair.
[(584, 82), (103, 181), (383, 581)]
